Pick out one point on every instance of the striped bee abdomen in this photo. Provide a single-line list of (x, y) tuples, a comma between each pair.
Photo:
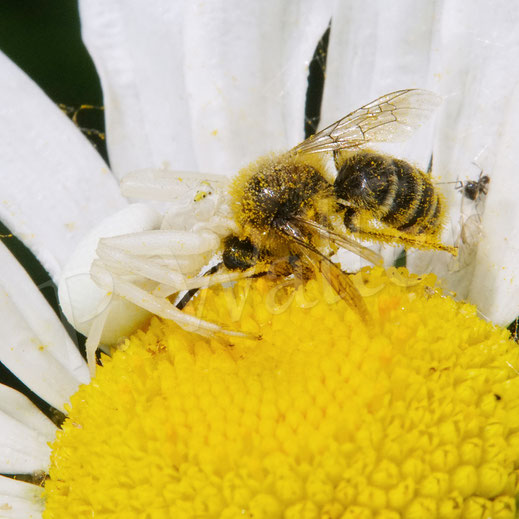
[(393, 191)]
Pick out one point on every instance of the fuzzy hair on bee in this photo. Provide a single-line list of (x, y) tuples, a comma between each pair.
[(275, 189), (392, 192), (286, 207)]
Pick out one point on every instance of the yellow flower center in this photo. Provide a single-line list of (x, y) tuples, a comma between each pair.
[(413, 416)]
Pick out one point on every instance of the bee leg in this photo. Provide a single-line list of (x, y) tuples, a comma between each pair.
[(243, 255), (292, 265), (418, 241), (350, 219), (184, 299), (211, 278)]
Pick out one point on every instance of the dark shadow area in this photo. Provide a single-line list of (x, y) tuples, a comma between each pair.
[(316, 77), (43, 38)]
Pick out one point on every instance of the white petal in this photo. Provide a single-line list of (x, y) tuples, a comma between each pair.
[(20, 408), (20, 500), (22, 450), (248, 68), (17, 488), (478, 43), (50, 169), (137, 49), (39, 316), (33, 345), (231, 73), (81, 299), (375, 48), (28, 358), (495, 285), (16, 508)]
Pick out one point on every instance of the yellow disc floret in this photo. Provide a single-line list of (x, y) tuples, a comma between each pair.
[(415, 416)]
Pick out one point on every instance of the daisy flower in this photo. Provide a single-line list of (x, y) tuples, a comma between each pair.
[(415, 416)]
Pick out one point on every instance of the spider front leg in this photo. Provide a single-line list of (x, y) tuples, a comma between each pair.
[(135, 259), (131, 291), (137, 290), (165, 242), (163, 256), (160, 270)]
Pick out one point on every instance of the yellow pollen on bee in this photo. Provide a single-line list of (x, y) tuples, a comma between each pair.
[(322, 417)]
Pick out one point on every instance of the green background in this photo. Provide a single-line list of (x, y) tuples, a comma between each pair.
[(43, 38)]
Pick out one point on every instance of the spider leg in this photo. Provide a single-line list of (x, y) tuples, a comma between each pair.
[(164, 242), (167, 185), (156, 305), (121, 262)]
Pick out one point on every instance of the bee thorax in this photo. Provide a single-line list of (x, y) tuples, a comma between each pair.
[(278, 192)]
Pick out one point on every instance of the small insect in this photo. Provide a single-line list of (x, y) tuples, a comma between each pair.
[(473, 189), (286, 207), (470, 224)]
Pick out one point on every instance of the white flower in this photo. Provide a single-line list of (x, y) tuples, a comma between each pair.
[(209, 86)]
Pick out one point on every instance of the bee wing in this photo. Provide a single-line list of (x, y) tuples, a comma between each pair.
[(467, 242), (344, 241), (339, 280), (390, 118)]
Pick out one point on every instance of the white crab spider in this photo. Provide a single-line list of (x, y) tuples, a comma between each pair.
[(188, 238), (163, 256)]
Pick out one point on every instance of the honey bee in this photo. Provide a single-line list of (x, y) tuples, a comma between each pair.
[(283, 215), (289, 206)]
